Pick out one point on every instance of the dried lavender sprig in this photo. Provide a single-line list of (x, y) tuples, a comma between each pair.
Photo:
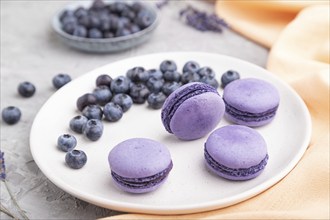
[(160, 4), (203, 21), (3, 179), (7, 212)]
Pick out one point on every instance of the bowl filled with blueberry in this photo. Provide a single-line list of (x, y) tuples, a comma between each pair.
[(105, 26)]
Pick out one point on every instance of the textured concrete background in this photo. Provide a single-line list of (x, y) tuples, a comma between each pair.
[(31, 52)]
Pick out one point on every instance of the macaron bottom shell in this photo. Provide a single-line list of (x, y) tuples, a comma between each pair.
[(256, 121)]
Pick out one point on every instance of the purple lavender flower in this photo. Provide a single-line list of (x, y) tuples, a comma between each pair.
[(2, 166), (203, 21)]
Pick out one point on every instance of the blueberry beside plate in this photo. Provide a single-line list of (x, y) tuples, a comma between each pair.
[(89, 41)]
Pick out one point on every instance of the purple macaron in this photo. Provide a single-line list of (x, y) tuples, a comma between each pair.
[(192, 111), (139, 165), (236, 152), (251, 102)]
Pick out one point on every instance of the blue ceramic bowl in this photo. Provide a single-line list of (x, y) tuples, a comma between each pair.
[(105, 45)]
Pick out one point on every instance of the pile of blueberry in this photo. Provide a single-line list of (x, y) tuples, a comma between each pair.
[(106, 20)]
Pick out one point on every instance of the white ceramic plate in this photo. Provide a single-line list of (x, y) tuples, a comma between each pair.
[(190, 187)]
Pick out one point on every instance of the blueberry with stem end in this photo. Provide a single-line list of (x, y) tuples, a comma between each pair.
[(156, 100), (93, 112), (120, 84), (112, 112), (85, 100), (103, 94), (26, 89), (123, 100), (60, 80), (139, 93), (103, 80), (76, 159), (190, 66), (77, 123), (167, 65), (93, 129), (66, 142)]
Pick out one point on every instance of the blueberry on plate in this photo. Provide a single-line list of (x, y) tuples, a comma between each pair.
[(190, 76), (77, 123), (170, 87), (190, 66), (120, 84), (11, 115), (93, 129), (103, 94), (155, 73), (103, 80), (85, 100), (206, 71), (60, 80), (172, 76), (156, 100), (137, 74), (93, 112), (76, 159), (210, 81), (66, 142), (26, 89), (154, 84), (123, 100), (139, 93), (167, 65), (228, 77), (112, 112)]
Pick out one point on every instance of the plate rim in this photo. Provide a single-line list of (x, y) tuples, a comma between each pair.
[(185, 209)]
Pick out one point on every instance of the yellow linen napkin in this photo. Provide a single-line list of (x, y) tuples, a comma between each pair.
[(261, 20), (300, 56)]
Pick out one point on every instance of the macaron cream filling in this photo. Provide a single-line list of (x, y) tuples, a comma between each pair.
[(240, 172), (250, 117), (182, 96), (144, 182)]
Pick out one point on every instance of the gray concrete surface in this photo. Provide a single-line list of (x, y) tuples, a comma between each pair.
[(31, 52)]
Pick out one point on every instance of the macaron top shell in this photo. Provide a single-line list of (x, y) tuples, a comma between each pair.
[(236, 146), (139, 158), (192, 111), (251, 95)]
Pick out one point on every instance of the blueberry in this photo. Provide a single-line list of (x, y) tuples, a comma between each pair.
[(136, 7), (117, 7), (94, 33), (210, 81), (128, 14), (77, 123), (93, 129), (123, 100), (122, 32), (93, 112), (154, 84), (139, 92), (228, 77), (156, 100), (172, 76), (11, 115), (69, 28), (94, 24), (98, 5), (66, 13), (170, 87), (112, 112), (103, 94), (79, 12), (206, 71), (26, 89), (144, 19), (66, 142), (85, 100), (60, 80), (80, 31), (134, 28), (84, 21), (167, 65), (137, 74), (76, 159), (69, 19), (191, 66), (120, 84), (105, 24), (190, 76), (155, 73), (103, 80)]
